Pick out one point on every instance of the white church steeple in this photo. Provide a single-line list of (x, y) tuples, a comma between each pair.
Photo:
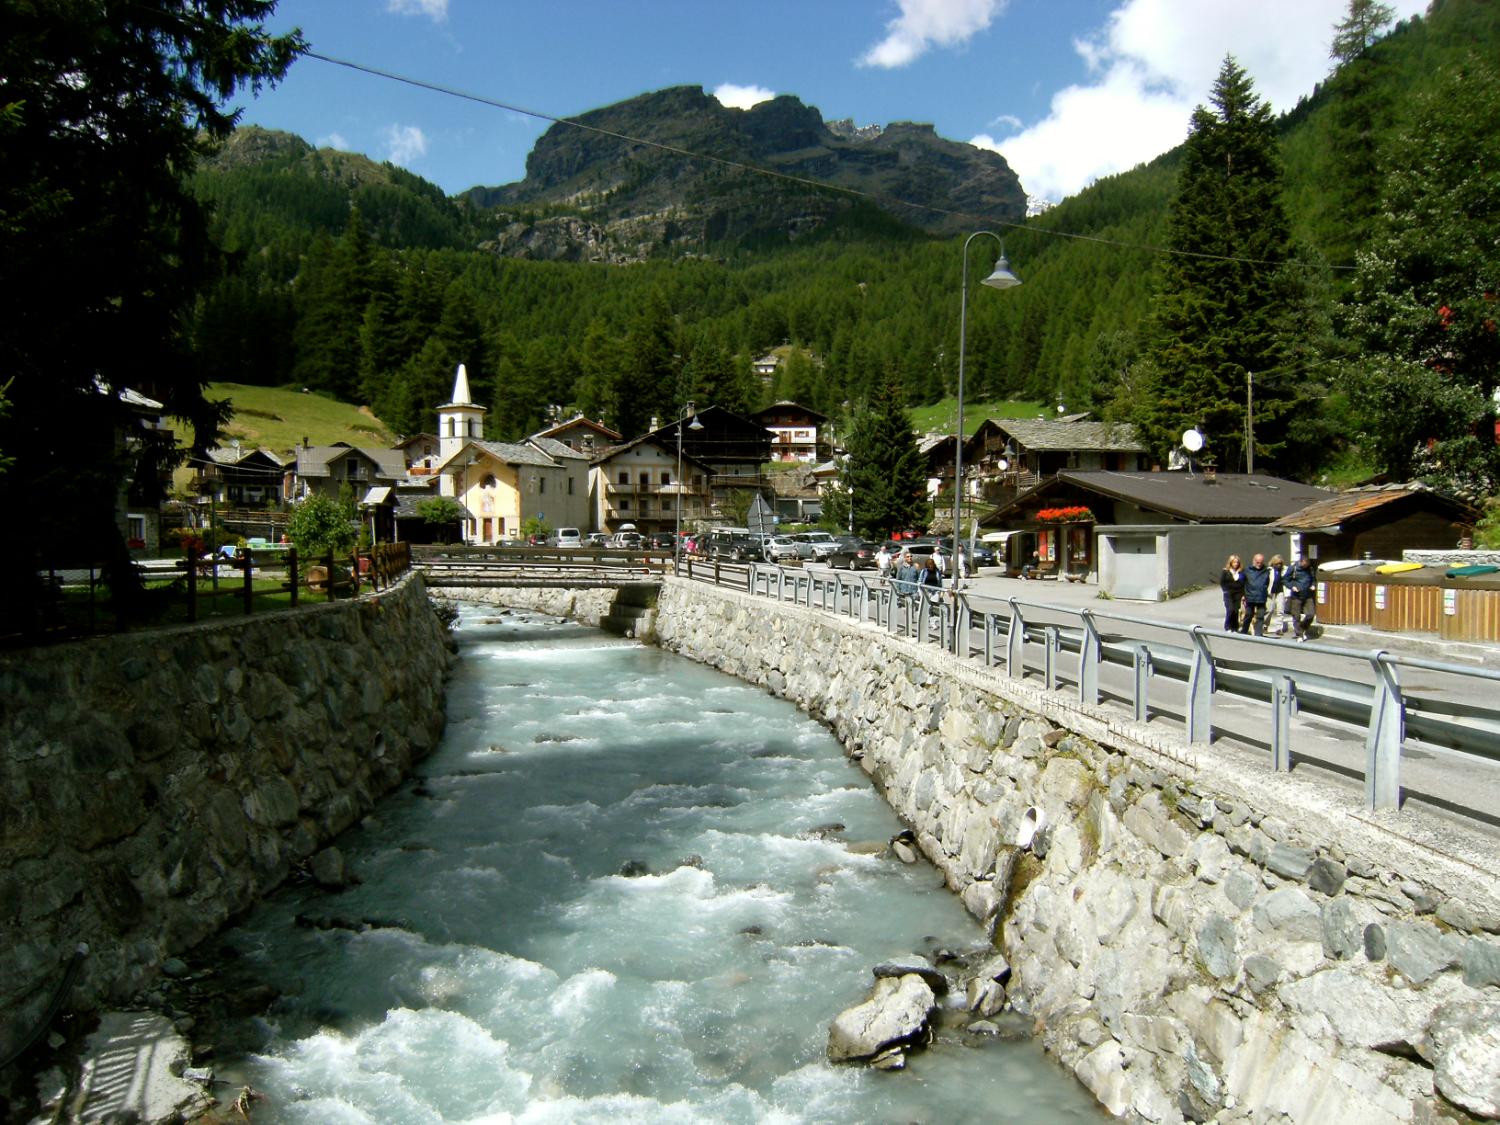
[(459, 421)]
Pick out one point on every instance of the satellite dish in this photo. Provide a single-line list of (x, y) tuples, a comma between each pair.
[(1192, 441)]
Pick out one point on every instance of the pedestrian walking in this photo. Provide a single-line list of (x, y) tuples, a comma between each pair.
[(906, 574), (1232, 583), (1257, 593), (1276, 607), (1301, 597), (883, 562)]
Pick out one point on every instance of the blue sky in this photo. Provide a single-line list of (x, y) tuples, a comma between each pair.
[(1066, 90)]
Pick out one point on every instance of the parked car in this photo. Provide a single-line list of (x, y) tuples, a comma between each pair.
[(565, 537), (783, 548), (851, 553), (597, 539), (661, 541), (819, 543), (629, 539), (733, 543)]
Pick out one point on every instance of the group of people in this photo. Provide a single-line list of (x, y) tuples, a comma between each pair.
[(1267, 597), (907, 573)]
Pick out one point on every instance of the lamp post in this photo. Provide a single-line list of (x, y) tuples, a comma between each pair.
[(677, 537), (1000, 278)]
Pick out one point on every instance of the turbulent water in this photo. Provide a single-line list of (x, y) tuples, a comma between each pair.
[(515, 974)]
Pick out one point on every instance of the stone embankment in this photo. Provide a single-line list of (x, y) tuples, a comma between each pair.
[(628, 610), (154, 784), (1196, 937)]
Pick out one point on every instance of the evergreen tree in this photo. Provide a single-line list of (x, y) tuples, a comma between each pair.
[(105, 108), (332, 292), (1217, 317), (885, 472), (1363, 23), (1426, 297)]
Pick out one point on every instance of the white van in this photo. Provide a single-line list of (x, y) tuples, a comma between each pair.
[(565, 537)]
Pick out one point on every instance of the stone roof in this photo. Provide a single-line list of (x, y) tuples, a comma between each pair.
[(1195, 498), (516, 453), (314, 460), (1046, 434), (554, 448), (1356, 503)]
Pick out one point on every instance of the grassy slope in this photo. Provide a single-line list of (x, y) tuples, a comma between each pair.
[(276, 419), (941, 416)]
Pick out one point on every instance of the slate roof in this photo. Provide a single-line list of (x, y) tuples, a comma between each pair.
[(1045, 434), (231, 456), (1230, 498), (580, 420), (1356, 503), (313, 460), (554, 448)]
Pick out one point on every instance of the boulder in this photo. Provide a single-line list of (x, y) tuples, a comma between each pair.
[(895, 1014), (913, 964), (1464, 1039)]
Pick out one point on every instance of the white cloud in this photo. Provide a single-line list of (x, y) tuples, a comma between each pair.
[(333, 140), (742, 97), (404, 144), (1150, 65), (926, 23), (435, 10)]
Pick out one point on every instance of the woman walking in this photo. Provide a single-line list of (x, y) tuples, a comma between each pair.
[(1232, 583)]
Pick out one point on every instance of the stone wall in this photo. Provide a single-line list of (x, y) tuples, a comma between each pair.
[(628, 610), (154, 784), (1196, 937)]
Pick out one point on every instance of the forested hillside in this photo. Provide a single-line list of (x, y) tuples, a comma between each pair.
[(364, 281)]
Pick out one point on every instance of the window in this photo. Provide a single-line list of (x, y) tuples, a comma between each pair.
[(541, 484), (488, 481), (624, 505), (645, 478), (570, 486), (624, 477), (452, 427), (666, 478)]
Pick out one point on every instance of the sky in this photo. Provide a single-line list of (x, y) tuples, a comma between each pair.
[(1068, 91)]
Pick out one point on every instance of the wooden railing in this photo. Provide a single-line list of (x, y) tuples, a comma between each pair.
[(78, 602)]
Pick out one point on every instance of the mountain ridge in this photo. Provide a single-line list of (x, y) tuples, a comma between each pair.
[(699, 180)]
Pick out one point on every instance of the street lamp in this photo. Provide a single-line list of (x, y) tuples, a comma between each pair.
[(1000, 278), (677, 538)]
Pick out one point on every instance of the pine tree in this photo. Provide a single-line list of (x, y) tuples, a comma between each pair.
[(1426, 297), (1217, 316), (885, 471)]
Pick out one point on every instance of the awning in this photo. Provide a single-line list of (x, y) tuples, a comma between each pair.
[(997, 536), (380, 494)]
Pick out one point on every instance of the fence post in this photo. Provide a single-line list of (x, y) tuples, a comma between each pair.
[(1283, 707), (1015, 655), (291, 574), (1049, 662), (1142, 675), (192, 585), (1383, 742), (1201, 682), (247, 565), (1089, 654)]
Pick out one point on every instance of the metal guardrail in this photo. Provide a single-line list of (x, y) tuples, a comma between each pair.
[(1075, 643)]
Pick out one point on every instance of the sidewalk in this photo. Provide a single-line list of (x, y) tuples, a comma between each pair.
[(1206, 607)]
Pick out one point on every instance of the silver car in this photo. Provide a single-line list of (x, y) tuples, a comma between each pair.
[(783, 548)]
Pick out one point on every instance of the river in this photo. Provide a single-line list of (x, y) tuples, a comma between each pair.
[(513, 973)]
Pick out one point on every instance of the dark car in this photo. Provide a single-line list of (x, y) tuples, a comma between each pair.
[(737, 548), (661, 541), (853, 554)]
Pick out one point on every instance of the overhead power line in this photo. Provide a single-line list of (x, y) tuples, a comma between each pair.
[(772, 173)]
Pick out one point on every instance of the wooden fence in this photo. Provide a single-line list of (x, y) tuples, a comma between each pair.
[(78, 602)]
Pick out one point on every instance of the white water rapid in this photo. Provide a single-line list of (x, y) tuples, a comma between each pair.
[(515, 975)]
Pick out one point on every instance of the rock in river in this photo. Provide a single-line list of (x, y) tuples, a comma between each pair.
[(895, 1014)]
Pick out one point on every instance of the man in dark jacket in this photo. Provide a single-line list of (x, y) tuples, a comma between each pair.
[(1301, 597), (1257, 591)]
